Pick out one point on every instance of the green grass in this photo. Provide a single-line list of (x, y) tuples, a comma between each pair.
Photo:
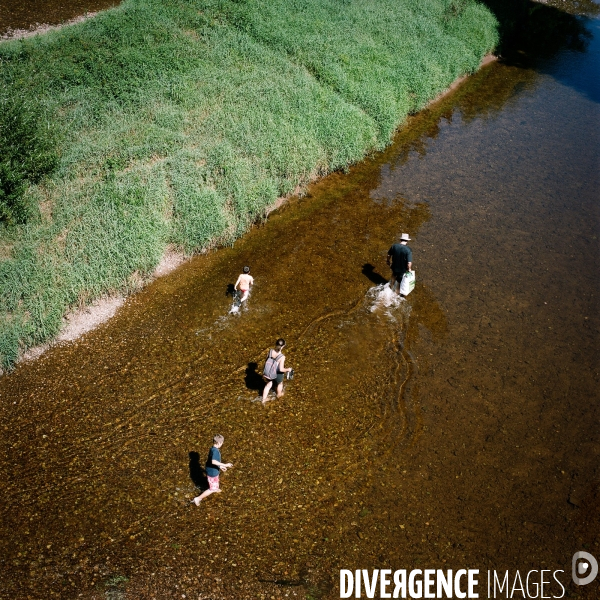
[(182, 121), (27, 153), (388, 58)]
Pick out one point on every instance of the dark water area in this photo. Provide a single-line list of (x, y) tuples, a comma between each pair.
[(456, 429)]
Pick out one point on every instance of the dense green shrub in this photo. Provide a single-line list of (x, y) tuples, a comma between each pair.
[(27, 152)]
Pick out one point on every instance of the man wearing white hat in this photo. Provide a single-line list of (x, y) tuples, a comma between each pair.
[(399, 257)]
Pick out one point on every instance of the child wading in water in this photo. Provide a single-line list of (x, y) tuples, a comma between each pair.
[(213, 467), (245, 280)]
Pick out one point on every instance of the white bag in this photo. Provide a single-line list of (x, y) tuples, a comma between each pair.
[(407, 285)]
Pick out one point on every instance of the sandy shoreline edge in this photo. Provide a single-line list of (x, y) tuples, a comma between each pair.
[(83, 320), (40, 28)]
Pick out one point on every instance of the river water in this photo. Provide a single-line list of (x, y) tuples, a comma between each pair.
[(456, 429), (17, 16)]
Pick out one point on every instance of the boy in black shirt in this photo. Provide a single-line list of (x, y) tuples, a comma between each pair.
[(213, 467)]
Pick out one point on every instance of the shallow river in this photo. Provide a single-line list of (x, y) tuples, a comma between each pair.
[(19, 15), (456, 429)]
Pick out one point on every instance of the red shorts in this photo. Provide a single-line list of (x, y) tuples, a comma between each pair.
[(213, 483)]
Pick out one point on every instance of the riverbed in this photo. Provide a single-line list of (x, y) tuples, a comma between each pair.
[(455, 429), (20, 19)]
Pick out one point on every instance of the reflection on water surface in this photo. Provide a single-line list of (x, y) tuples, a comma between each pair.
[(455, 429)]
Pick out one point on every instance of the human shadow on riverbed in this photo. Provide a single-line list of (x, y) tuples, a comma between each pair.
[(253, 378), (197, 472), (369, 271), (230, 290)]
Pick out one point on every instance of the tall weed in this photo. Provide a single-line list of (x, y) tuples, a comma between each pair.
[(182, 121), (27, 152)]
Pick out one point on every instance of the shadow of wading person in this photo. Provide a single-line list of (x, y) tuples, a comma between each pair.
[(253, 378), (197, 472)]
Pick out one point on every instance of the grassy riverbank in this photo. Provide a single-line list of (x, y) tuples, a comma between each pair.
[(180, 122)]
